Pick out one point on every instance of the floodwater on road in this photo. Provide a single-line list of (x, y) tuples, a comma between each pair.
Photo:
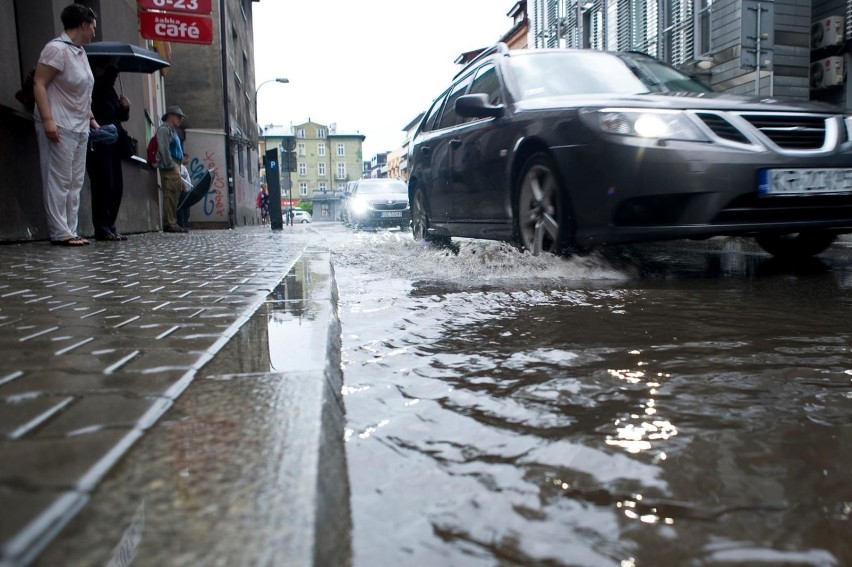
[(668, 404)]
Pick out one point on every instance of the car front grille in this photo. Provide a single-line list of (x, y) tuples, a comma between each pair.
[(392, 206), (788, 131), (791, 132)]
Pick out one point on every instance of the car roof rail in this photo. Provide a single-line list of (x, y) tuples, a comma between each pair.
[(500, 48)]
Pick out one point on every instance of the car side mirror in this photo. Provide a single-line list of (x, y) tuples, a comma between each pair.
[(477, 106)]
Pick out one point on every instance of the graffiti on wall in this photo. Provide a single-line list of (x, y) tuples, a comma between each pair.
[(208, 154), (214, 200)]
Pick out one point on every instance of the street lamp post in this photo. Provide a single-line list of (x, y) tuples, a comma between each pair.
[(257, 90), (273, 164)]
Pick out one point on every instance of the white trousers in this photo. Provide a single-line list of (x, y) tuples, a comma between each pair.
[(63, 169)]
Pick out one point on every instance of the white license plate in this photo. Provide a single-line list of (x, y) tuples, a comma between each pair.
[(391, 214), (804, 181)]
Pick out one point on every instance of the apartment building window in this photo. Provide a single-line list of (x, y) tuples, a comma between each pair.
[(678, 31), (303, 188), (320, 133), (320, 150), (341, 170), (241, 163), (703, 31), (323, 186), (645, 23), (321, 169), (302, 149), (303, 169), (248, 160), (341, 150), (300, 133)]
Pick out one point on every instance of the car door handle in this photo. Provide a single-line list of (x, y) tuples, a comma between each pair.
[(455, 143)]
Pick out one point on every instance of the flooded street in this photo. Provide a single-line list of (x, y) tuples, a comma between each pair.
[(668, 404)]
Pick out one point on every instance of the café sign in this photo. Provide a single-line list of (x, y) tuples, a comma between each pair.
[(178, 28)]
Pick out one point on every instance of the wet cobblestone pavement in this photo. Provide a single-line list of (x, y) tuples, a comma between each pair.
[(95, 345)]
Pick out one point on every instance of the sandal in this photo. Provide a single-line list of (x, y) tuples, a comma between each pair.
[(109, 236), (70, 242), (119, 236)]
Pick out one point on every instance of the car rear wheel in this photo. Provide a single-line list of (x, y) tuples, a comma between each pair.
[(420, 222), (796, 244), (541, 210)]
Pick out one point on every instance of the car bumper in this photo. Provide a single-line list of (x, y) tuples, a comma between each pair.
[(680, 189), (380, 218)]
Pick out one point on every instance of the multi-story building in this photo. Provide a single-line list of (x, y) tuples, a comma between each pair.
[(789, 48), (377, 166), (214, 85), (325, 161)]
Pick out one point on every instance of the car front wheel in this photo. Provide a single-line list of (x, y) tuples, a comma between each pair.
[(541, 209), (420, 221), (796, 244)]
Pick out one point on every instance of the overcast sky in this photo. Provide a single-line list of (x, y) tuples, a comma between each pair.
[(368, 65)]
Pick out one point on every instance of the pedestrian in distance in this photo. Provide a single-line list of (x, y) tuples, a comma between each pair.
[(62, 87), (169, 158), (186, 187), (263, 203), (103, 161)]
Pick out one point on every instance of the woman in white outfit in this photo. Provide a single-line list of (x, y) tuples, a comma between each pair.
[(63, 92)]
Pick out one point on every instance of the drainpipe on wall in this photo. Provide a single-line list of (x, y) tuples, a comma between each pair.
[(229, 170)]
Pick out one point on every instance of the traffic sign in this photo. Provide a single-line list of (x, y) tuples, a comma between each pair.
[(189, 6)]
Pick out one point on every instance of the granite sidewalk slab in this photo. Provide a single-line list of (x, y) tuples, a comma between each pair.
[(97, 342)]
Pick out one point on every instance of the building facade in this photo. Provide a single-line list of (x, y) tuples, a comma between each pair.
[(214, 85), (28, 26), (750, 47), (325, 161)]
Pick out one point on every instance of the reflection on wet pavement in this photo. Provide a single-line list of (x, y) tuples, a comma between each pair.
[(681, 404)]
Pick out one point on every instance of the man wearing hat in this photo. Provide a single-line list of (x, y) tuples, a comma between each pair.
[(169, 158)]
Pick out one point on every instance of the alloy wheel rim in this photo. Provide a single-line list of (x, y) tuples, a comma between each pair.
[(538, 222)]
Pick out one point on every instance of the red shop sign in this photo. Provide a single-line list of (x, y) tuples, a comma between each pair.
[(178, 28), (190, 6)]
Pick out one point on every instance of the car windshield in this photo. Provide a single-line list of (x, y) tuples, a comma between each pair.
[(389, 186), (561, 73)]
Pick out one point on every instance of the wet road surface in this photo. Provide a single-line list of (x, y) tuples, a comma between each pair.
[(668, 404)]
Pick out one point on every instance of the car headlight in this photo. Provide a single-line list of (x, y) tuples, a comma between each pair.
[(848, 122), (651, 124), (360, 206)]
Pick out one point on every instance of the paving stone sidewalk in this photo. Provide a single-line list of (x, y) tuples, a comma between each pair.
[(97, 342)]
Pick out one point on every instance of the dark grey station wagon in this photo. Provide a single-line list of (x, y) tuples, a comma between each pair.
[(566, 150)]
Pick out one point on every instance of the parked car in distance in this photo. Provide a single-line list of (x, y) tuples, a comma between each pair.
[(379, 202), (300, 216), (565, 150)]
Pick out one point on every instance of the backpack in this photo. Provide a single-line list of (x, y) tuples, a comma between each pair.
[(152, 151)]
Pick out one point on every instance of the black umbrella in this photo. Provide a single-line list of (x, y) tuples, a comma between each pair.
[(198, 191), (127, 58)]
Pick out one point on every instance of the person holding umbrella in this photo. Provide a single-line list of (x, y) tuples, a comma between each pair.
[(103, 161), (169, 158)]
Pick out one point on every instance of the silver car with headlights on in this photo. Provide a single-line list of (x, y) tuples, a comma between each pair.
[(378, 202)]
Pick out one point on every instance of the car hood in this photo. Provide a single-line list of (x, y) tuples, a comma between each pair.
[(383, 197), (680, 101)]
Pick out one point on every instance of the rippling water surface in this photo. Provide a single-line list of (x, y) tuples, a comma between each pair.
[(668, 405)]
